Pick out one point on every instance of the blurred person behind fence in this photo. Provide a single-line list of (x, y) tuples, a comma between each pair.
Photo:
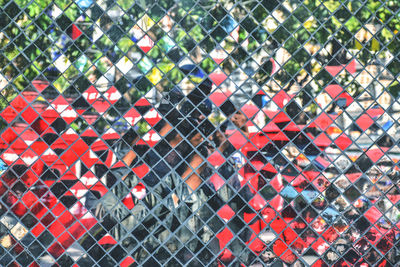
[(167, 215)]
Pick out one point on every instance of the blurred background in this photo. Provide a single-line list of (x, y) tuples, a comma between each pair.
[(317, 82)]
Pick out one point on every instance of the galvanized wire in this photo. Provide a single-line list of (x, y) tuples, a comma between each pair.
[(204, 133)]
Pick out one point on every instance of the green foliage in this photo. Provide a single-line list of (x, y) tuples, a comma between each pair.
[(30, 37), (394, 89), (142, 127), (208, 65), (125, 44), (216, 119)]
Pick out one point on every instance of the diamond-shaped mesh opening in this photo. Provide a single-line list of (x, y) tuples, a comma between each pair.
[(212, 133)]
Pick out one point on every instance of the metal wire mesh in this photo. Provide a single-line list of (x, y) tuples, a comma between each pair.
[(201, 133)]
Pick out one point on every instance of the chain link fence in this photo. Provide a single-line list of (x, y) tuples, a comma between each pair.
[(199, 133)]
